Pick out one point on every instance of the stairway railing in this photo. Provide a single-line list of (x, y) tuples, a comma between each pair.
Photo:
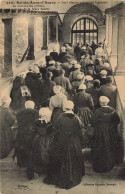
[(25, 54)]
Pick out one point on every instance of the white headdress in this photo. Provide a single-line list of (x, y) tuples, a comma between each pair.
[(103, 99), (57, 89), (29, 104), (68, 105), (82, 87), (45, 114), (88, 78), (5, 101)]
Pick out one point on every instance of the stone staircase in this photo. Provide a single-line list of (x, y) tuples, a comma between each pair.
[(8, 164)]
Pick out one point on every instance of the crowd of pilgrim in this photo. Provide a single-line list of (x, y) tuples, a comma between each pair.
[(57, 109)]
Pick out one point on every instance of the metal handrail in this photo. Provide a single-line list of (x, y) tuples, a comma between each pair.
[(25, 54)]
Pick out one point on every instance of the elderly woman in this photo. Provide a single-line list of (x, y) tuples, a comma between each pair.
[(62, 54), (99, 51), (47, 91), (83, 105), (34, 82), (103, 77), (66, 166), (26, 123), (64, 82), (17, 102), (57, 102), (106, 151), (39, 156), (94, 92), (6, 121)]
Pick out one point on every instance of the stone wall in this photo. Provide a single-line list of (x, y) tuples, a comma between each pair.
[(1, 45), (119, 80), (39, 33), (20, 39)]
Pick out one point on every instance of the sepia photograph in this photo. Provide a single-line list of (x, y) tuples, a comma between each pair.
[(62, 97)]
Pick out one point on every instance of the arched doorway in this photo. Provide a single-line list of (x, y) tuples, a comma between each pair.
[(84, 31)]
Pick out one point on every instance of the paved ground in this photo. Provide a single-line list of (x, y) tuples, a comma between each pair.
[(14, 181)]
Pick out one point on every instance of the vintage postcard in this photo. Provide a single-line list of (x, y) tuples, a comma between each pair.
[(62, 99)]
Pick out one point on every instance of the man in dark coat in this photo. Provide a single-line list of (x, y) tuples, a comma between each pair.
[(77, 52), (94, 47), (89, 49), (110, 91)]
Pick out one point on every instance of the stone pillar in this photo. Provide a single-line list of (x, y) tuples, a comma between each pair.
[(7, 71), (101, 33), (114, 44), (35, 35), (60, 33), (114, 35), (31, 54), (53, 29), (57, 29), (45, 32), (49, 29), (107, 27), (120, 69), (110, 32), (13, 43)]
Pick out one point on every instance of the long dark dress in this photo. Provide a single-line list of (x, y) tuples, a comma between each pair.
[(66, 166), (106, 148), (39, 155), (6, 121), (56, 114), (83, 106), (34, 83), (17, 102), (47, 92), (26, 125)]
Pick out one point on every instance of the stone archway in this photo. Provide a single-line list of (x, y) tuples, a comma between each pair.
[(78, 11)]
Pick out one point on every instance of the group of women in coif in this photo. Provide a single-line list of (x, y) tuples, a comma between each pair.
[(56, 110)]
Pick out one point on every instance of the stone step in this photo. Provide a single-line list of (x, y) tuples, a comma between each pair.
[(8, 164)]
